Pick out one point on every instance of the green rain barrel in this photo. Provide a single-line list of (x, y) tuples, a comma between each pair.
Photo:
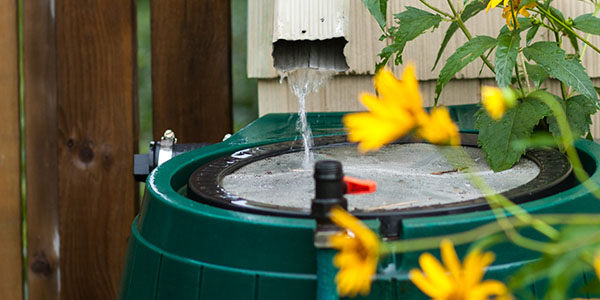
[(187, 244)]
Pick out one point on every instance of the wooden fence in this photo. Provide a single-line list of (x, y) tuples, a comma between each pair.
[(79, 79)]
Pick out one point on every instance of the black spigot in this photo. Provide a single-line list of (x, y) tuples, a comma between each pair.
[(329, 192)]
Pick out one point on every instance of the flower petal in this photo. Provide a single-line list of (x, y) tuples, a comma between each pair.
[(474, 266), (486, 290), (493, 3), (450, 259), (425, 285), (440, 129), (373, 131), (435, 272)]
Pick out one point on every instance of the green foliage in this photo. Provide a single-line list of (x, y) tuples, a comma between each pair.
[(378, 9), (506, 56), (464, 55), (587, 23), (496, 137), (569, 71), (564, 268), (471, 10), (411, 23), (536, 74), (531, 34), (579, 110), (572, 38)]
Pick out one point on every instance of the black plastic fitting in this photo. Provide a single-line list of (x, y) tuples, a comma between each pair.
[(329, 190)]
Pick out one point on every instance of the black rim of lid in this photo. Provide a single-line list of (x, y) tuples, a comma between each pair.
[(204, 185)]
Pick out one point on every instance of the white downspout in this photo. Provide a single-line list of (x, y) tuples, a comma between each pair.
[(310, 34)]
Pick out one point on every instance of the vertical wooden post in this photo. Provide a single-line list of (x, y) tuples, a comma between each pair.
[(43, 236), (191, 69), (96, 142), (80, 67), (11, 285)]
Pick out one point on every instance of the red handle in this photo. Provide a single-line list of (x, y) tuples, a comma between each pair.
[(359, 186)]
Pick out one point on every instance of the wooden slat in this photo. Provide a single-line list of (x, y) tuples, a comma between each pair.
[(96, 88), (11, 285), (43, 239), (191, 63)]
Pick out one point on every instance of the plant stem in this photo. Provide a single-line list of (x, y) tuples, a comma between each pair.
[(436, 9), (596, 10), (427, 243), (464, 29), (524, 69), (519, 79), (498, 201), (550, 16)]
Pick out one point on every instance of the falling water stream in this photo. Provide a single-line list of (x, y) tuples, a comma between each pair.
[(303, 82)]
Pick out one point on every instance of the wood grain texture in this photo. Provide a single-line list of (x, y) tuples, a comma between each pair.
[(96, 88), (11, 285), (191, 69), (43, 239)]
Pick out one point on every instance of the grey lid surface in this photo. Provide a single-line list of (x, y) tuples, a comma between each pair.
[(407, 176)]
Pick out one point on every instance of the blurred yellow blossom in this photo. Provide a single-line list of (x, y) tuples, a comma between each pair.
[(493, 102), (496, 101), (453, 281), (440, 129), (358, 248), (397, 111)]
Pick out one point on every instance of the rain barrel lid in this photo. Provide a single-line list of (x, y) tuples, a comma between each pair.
[(414, 179)]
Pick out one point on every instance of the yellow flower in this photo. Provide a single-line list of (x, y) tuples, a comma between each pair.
[(455, 281), (493, 102), (440, 129), (382, 125), (357, 257), (509, 11), (397, 111)]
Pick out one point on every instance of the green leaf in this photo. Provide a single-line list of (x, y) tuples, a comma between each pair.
[(467, 53), (571, 72), (531, 34), (411, 23), (506, 57), (578, 110), (378, 9), (536, 74), (587, 23), (472, 9), (572, 38), (496, 137), (597, 90)]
